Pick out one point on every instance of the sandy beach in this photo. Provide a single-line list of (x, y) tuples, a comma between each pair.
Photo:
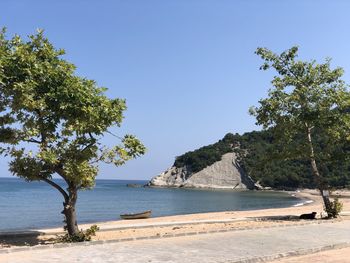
[(197, 222), (311, 199), (204, 222), (241, 219)]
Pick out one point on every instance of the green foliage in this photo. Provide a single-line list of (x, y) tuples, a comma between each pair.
[(43, 103), (64, 116), (260, 157), (306, 120), (335, 208), (305, 95), (258, 154), (196, 161), (308, 101), (81, 236)]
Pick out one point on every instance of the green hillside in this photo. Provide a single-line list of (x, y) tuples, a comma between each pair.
[(258, 156)]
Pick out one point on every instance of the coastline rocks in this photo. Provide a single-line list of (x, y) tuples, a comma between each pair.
[(223, 174)]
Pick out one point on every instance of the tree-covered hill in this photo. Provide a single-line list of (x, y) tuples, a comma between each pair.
[(198, 159), (258, 155)]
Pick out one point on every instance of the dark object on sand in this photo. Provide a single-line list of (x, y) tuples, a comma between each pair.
[(308, 216), (142, 215)]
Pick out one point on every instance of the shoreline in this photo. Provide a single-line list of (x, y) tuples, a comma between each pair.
[(307, 197), (186, 224), (190, 226), (84, 224), (303, 198), (311, 202)]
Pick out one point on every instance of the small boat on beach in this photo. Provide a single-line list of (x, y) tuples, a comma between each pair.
[(142, 215)]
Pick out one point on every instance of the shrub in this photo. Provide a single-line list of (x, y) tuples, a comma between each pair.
[(83, 235), (335, 208)]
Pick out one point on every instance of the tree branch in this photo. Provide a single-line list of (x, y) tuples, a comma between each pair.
[(32, 140), (114, 135), (59, 188), (59, 170)]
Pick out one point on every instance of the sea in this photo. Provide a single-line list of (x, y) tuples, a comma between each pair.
[(34, 205)]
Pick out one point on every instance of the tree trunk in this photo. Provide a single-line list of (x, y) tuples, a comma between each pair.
[(315, 172), (68, 206), (70, 213)]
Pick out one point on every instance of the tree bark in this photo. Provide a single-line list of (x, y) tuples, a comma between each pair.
[(70, 212), (315, 172), (70, 200)]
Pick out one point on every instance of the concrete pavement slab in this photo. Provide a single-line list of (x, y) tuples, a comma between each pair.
[(235, 246)]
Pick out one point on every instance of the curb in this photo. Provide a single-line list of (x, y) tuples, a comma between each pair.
[(300, 252), (168, 235)]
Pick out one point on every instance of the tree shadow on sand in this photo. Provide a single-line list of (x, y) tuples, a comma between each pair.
[(28, 238)]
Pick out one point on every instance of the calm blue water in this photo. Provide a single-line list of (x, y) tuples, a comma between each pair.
[(36, 205)]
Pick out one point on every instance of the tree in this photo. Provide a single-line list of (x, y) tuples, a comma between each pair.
[(306, 98), (51, 120)]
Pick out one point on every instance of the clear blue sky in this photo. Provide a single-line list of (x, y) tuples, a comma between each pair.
[(187, 68)]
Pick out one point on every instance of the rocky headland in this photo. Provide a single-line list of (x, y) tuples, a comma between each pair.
[(248, 161), (223, 174)]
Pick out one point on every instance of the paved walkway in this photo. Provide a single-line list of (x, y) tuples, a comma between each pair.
[(329, 256), (206, 248)]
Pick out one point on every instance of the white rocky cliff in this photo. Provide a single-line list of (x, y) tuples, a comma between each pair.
[(225, 174)]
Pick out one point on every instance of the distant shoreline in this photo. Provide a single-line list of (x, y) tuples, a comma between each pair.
[(308, 197)]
